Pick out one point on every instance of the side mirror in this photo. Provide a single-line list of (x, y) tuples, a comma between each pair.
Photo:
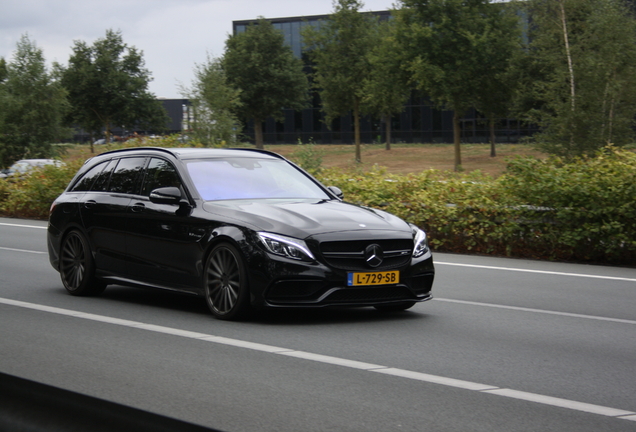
[(336, 191), (166, 195)]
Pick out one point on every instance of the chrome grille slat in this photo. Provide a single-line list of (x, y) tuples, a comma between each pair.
[(350, 255)]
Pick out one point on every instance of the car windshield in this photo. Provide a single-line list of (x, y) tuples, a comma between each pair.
[(250, 178)]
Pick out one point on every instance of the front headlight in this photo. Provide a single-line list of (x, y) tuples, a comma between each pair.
[(287, 247), (420, 246)]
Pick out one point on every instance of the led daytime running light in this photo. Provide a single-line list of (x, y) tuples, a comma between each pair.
[(286, 246)]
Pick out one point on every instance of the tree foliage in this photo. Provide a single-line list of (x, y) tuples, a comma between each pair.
[(497, 84), (340, 50), (582, 89), (214, 103), (32, 106), (108, 87), (265, 71), (386, 87), (3, 70), (449, 44)]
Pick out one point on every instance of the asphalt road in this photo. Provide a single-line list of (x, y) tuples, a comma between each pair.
[(507, 345)]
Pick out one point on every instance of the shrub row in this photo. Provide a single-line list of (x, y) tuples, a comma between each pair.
[(545, 209)]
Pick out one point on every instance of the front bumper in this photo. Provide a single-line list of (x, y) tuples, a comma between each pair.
[(316, 285)]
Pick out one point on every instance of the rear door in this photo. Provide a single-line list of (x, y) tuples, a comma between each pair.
[(103, 212)]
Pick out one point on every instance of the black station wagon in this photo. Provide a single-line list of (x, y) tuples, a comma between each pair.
[(243, 228)]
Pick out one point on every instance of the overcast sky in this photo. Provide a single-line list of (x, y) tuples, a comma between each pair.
[(174, 35)]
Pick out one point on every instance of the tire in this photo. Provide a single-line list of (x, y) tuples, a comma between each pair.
[(77, 268), (395, 307), (225, 283)]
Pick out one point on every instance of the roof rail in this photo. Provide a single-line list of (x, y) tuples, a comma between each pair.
[(124, 150)]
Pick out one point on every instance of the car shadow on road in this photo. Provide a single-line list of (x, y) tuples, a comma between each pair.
[(333, 315), (175, 301), (151, 297)]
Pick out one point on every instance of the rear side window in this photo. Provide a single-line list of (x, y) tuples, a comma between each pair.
[(87, 180), (101, 184), (125, 177)]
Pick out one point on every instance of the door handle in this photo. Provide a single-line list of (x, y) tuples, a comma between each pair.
[(90, 203), (137, 207)]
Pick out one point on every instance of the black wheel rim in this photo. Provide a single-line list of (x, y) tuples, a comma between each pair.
[(223, 281), (73, 262)]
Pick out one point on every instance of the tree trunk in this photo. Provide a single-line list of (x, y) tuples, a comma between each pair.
[(356, 132), (457, 132), (258, 133), (108, 132), (566, 41), (493, 151), (388, 131), (568, 54)]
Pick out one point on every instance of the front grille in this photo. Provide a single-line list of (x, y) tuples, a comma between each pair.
[(349, 255), (423, 283), (298, 290)]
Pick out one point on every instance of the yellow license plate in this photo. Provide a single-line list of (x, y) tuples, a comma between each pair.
[(373, 278)]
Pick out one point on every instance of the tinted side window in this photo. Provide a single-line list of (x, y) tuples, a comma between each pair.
[(85, 183), (124, 178), (160, 173), (101, 184)]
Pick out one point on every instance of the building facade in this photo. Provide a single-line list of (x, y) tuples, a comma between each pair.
[(419, 122)]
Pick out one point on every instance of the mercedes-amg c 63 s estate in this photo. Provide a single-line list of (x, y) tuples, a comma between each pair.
[(242, 228)]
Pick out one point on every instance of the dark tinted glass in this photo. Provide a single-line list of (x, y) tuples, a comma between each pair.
[(160, 173), (85, 183), (101, 184), (124, 178)]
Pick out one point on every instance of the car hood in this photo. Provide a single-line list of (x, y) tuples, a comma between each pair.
[(302, 218)]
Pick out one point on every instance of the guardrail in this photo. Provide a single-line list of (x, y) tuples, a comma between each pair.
[(34, 407)]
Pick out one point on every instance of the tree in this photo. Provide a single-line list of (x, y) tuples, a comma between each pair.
[(3, 70), (33, 106), (497, 83), (214, 103), (448, 44), (340, 49), (108, 87), (265, 71), (386, 87), (584, 86)]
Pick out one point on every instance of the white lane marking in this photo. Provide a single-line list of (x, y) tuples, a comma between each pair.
[(558, 402), (449, 382), (536, 271), (517, 308), (22, 226), (369, 367), (21, 250)]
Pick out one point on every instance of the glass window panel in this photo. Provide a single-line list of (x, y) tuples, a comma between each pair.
[(249, 178), (124, 178)]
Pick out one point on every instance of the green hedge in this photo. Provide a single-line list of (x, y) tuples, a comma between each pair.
[(30, 196), (545, 209)]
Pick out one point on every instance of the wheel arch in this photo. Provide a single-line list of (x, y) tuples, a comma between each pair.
[(233, 235)]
